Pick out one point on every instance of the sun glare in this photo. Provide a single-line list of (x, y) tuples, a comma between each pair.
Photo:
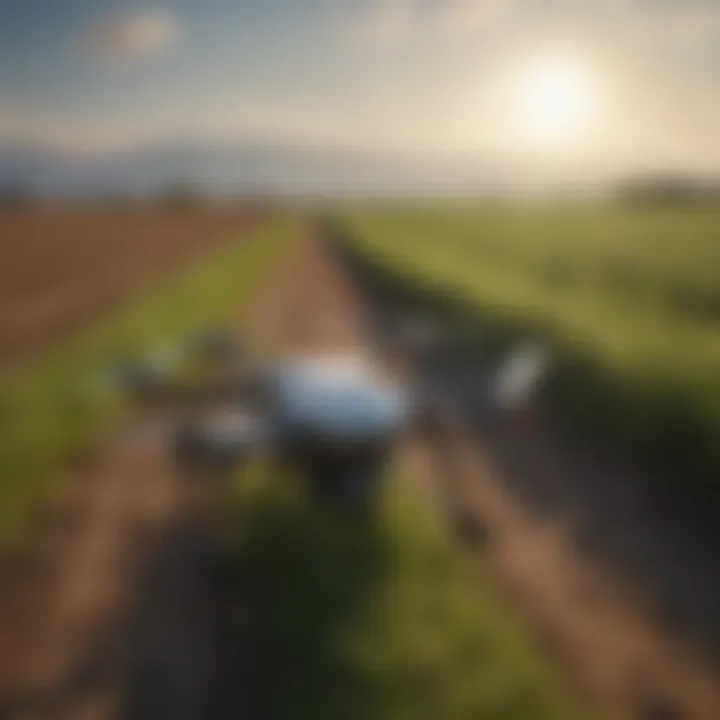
[(557, 101)]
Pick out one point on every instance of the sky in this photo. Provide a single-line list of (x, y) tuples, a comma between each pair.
[(600, 87)]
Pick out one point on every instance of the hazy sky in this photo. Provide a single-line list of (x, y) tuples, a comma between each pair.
[(607, 84)]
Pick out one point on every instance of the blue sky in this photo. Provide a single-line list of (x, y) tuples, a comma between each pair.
[(438, 77)]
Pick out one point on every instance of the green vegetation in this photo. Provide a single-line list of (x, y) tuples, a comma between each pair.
[(381, 619), (628, 299), (54, 405)]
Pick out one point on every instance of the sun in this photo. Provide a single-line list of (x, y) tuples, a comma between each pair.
[(557, 100)]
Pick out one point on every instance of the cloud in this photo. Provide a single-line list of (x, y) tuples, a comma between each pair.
[(133, 35)]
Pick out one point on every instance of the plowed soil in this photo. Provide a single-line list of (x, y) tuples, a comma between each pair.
[(61, 269)]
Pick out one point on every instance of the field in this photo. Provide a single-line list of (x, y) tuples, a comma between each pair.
[(233, 591), (386, 619), (58, 401), (626, 298), (63, 268)]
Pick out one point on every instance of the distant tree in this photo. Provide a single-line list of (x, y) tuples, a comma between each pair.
[(669, 188), (258, 202), (181, 195), (116, 201), (16, 196)]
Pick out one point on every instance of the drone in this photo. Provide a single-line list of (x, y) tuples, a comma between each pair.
[(335, 418)]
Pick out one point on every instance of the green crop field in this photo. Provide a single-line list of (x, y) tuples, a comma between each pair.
[(628, 298)]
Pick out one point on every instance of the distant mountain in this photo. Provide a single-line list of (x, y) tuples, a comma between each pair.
[(27, 167), (248, 166)]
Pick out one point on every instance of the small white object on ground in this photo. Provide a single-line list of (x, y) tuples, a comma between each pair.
[(233, 431), (519, 376)]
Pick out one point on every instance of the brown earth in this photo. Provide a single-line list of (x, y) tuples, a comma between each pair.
[(63, 268), (117, 613)]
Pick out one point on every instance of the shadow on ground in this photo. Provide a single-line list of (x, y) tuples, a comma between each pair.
[(311, 575)]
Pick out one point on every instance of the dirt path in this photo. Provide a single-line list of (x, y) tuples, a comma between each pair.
[(60, 651), (115, 611), (309, 306), (120, 613), (603, 637)]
